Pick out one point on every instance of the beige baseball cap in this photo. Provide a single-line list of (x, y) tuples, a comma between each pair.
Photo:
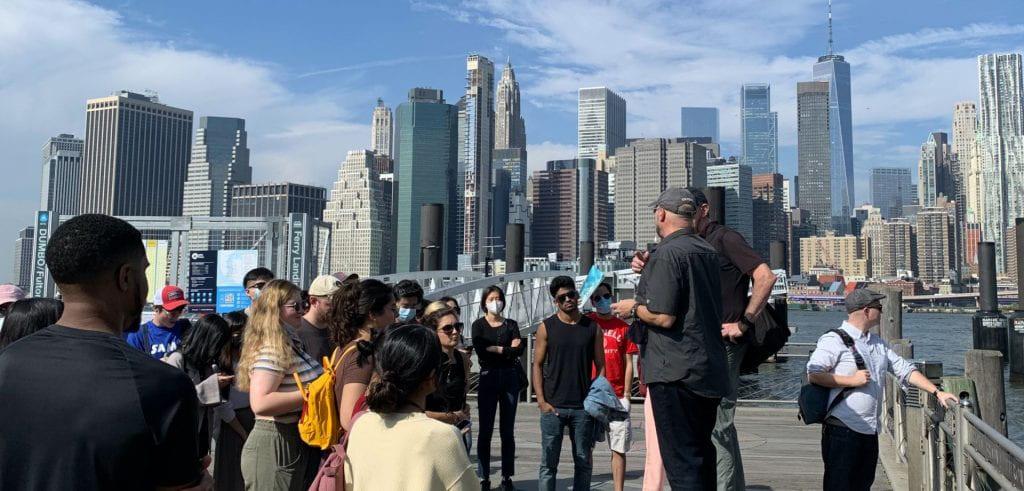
[(324, 286)]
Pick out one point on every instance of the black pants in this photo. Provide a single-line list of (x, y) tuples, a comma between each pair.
[(498, 390), (850, 458), (684, 422)]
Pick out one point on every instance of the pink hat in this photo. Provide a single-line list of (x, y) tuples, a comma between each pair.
[(10, 293)]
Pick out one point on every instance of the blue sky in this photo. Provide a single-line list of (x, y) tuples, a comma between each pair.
[(306, 75)]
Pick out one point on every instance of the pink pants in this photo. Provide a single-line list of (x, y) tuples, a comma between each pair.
[(654, 471)]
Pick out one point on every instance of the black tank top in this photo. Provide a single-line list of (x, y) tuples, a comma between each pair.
[(569, 361)]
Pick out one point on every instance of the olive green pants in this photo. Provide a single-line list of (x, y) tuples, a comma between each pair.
[(274, 458)]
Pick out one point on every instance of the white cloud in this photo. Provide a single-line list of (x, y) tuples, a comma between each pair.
[(56, 54), (539, 154)]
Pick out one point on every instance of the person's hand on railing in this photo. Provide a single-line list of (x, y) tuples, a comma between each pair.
[(945, 398)]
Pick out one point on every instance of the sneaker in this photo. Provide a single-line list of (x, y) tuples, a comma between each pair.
[(506, 484)]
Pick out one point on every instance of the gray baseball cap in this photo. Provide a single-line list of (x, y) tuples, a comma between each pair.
[(676, 200), (860, 298)]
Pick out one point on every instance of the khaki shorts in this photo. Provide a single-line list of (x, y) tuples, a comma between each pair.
[(620, 433)]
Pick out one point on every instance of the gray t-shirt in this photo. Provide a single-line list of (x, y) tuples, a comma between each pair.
[(681, 278)]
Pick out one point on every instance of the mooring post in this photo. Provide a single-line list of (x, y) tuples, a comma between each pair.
[(985, 368)]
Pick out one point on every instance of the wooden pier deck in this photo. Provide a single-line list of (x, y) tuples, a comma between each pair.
[(779, 452)]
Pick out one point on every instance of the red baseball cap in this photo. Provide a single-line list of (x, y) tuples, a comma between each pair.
[(171, 298)]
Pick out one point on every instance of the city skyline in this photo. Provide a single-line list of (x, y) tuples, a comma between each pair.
[(290, 143)]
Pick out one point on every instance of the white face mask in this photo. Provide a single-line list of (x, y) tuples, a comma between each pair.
[(495, 306)]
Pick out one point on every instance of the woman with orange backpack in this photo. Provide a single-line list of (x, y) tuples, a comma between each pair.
[(274, 456)]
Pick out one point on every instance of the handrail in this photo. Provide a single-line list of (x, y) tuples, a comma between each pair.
[(961, 434)]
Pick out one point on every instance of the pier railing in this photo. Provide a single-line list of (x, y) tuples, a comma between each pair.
[(948, 448)]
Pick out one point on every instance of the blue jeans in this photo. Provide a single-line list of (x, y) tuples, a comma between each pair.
[(581, 434)]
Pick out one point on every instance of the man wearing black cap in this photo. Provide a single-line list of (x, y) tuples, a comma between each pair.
[(739, 264), (849, 439), (679, 304)]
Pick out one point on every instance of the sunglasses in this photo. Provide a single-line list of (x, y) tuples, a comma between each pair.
[(606, 296), (874, 306), (258, 285), (573, 295), (451, 328), (297, 306)]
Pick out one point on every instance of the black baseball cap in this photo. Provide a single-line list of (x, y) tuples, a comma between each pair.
[(676, 200), (699, 199)]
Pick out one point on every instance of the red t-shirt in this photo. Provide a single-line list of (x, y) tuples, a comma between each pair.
[(616, 347)]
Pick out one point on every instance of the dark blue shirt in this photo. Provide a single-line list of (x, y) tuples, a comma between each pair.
[(157, 340)]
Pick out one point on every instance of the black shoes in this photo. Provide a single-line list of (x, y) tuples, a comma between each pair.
[(485, 485), (506, 484)]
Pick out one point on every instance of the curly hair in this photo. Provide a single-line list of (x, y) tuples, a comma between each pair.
[(351, 306)]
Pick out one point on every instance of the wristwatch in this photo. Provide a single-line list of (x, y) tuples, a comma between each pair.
[(746, 322), (632, 311)]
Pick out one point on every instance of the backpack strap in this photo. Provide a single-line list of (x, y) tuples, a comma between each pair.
[(858, 359)]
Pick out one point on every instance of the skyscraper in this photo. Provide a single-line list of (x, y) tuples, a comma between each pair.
[(813, 149), (359, 214), (501, 189), (476, 141), (769, 211), (935, 170), (834, 69), (759, 128), (509, 127), (601, 122), (62, 175), (936, 247), (426, 159), (23, 255), (277, 199), (739, 206), (136, 156), (220, 161), (965, 146), (1000, 139), (698, 122), (381, 130), (891, 243), (570, 204), (847, 253), (643, 169), (510, 156), (890, 190)]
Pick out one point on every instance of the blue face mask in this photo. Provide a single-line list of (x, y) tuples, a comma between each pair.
[(405, 314), (604, 306)]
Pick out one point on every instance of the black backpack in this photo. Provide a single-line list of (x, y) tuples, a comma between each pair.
[(769, 334), (813, 401)]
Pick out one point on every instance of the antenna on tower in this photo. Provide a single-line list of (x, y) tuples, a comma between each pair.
[(830, 52)]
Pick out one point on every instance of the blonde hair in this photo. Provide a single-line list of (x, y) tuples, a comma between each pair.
[(436, 311), (264, 334)]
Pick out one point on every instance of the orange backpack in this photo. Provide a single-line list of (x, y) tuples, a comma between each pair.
[(320, 425)]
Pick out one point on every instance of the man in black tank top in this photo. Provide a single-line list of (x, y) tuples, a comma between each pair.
[(567, 348)]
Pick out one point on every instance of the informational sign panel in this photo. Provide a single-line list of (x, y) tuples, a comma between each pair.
[(298, 245), (42, 283), (156, 273), (202, 282), (231, 269), (215, 280)]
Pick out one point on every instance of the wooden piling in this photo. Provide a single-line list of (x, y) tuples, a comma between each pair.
[(985, 368)]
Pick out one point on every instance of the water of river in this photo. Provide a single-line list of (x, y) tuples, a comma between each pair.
[(939, 337)]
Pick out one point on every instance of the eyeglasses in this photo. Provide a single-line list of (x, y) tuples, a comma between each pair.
[(297, 306), (573, 295), (451, 328), (606, 296)]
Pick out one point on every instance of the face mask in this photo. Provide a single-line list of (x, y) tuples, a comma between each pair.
[(604, 306), (495, 306), (405, 314), (256, 293)]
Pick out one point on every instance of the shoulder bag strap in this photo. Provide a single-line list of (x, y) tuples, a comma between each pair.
[(859, 360)]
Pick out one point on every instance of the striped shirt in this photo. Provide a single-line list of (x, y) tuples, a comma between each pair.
[(300, 362)]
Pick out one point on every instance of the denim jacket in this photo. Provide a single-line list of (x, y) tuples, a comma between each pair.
[(602, 405)]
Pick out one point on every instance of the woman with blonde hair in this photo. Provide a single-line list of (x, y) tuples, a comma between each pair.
[(448, 403), (274, 456)]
